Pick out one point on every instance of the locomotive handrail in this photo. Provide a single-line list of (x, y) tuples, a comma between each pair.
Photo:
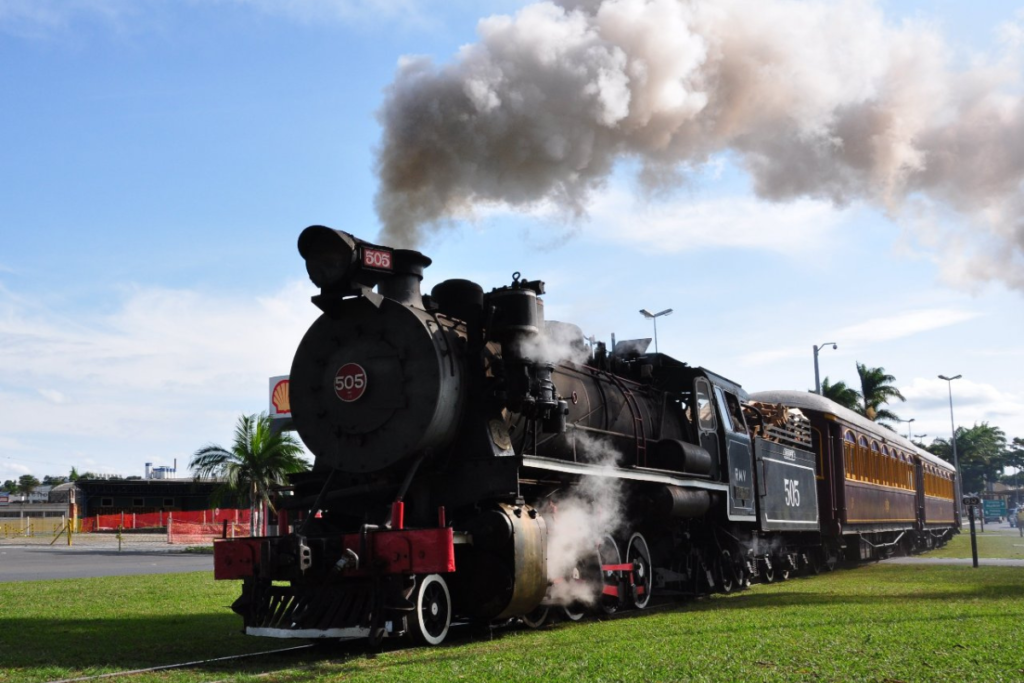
[(317, 504)]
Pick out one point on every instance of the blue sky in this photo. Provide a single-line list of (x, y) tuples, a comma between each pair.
[(160, 159)]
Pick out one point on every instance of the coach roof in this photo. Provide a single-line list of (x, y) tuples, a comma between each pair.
[(805, 400)]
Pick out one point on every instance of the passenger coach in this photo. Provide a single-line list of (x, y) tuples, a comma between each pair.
[(877, 491)]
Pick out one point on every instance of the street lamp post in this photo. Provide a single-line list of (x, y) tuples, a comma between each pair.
[(952, 427), (910, 436), (817, 380), (654, 317)]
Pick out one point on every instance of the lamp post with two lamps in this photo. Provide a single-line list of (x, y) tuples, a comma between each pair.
[(817, 381), (910, 436), (654, 317), (952, 426)]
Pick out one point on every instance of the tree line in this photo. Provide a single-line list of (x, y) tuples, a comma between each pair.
[(984, 451), (27, 483)]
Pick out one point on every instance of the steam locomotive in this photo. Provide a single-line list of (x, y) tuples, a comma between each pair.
[(475, 461)]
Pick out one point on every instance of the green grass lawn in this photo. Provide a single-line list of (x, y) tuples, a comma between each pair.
[(876, 622), (995, 543)]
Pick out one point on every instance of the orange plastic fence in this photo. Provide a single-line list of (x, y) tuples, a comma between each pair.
[(160, 520), (195, 533)]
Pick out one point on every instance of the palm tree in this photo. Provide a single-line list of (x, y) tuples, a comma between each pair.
[(981, 452), (847, 397), (876, 390), (258, 459)]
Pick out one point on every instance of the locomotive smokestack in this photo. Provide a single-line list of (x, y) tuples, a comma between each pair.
[(404, 283)]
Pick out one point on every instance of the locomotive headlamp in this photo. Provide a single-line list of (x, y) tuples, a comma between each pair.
[(329, 254)]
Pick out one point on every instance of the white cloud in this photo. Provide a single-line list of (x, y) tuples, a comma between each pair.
[(12, 470), (905, 324), (885, 328), (930, 393), (973, 403), (40, 18), (791, 229), (345, 11), (43, 18), (168, 371), (52, 395)]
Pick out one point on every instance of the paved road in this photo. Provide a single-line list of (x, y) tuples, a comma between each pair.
[(40, 563)]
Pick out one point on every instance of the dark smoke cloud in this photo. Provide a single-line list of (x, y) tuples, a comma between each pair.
[(815, 99)]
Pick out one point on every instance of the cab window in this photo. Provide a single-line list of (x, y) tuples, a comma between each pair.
[(705, 407)]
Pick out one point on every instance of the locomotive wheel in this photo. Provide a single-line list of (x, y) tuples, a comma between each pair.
[(639, 555), (814, 563), (573, 612), (783, 572), (831, 559), (432, 616), (743, 575), (725, 573), (537, 617), (607, 553), (768, 573)]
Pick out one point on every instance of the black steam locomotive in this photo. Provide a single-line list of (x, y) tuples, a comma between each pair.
[(475, 461)]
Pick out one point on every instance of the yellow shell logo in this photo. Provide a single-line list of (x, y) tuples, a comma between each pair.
[(280, 398)]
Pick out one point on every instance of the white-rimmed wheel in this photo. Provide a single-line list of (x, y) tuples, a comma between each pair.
[(767, 570), (639, 555), (574, 611), (607, 554), (432, 616), (725, 573), (537, 617)]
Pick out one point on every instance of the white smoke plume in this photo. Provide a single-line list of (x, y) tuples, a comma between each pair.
[(556, 343), (579, 519), (815, 99)]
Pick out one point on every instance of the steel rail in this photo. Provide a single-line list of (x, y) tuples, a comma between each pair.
[(182, 665)]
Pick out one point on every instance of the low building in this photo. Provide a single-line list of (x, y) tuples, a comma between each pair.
[(114, 496)]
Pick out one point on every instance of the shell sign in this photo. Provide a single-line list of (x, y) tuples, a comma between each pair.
[(280, 405)]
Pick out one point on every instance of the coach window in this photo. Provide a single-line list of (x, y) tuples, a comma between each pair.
[(705, 408), (865, 459), (886, 466), (850, 454), (138, 502), (877, 466), (106, 502)]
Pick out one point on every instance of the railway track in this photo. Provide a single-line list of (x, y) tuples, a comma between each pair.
[(185, 665)]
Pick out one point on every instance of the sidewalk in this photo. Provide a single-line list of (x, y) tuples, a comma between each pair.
[(964, 561), (95, 541)]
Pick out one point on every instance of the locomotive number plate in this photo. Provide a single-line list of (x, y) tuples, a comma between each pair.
[(350, 382), (377, 258)]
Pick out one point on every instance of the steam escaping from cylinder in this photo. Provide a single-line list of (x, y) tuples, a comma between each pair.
[(579, 519), (813, 99)]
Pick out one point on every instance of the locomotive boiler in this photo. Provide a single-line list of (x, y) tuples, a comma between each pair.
[(478, 462)]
